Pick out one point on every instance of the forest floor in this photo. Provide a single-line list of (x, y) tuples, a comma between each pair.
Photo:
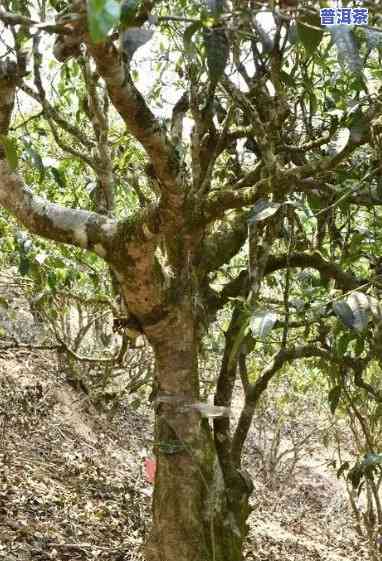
[(73, 487), (72, 483)]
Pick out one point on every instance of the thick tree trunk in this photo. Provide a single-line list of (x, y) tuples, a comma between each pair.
[(194, 515)]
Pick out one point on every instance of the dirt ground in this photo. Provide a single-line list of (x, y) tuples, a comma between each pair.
[(72, 484)]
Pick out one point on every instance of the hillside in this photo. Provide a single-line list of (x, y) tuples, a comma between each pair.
[(73, 487)]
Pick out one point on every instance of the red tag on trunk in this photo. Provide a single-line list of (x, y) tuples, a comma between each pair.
[(150, 469)]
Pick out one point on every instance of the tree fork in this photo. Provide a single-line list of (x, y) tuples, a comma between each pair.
[(200, 522)]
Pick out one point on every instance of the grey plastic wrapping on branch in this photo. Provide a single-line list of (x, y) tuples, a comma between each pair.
[(205, 409), (132, 38), (215, 6)]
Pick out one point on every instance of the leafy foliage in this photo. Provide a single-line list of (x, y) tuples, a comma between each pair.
[(309, 32), (103, 15), (11, 152), (129, 10)]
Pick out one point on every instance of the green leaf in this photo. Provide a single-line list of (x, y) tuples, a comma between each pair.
[(359, 346), (360, 305), (343, 343), (287, 79), (308, 34), (316, 203), (103, 15), (313, 103), (334, 398), (129, 10), (359, 125), (59, 177), (188, 34), (339, 142), (354, 311), (24, 264), (52, 280), (262, 322), (215, 6), (37, 161), (344, 313), (10, 148), (217, 51), (262, 210), (293, 37), (378, 411), (372, 460)]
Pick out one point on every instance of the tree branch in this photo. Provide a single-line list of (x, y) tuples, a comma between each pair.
[(14, 19), (139, 119), (256, 390), (223, 394), (328, 270), (76, 227), (247, 190)]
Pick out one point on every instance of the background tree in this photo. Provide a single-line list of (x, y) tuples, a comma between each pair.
[(280, 154)]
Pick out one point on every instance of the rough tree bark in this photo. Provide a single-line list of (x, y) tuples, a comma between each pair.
[(193, 514)]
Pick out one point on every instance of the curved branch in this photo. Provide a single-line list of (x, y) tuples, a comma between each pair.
[(15, 19), (76, 227), (256, 390), (328, 270), (250, 188), (217, 203)]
